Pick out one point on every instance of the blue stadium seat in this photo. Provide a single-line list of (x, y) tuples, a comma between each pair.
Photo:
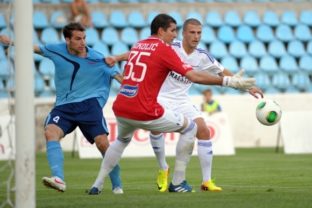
[(150, 16), (2, 21), (306, 17), (39, 85), (208, 35), (305, 64), (214, 19), (284, 33), (257, 49), (232, 18), (237, 49), (145, 33), (249, 64), (49, 35), (226, 34), (272, 90), (277, 49), (177, 16), (102, 48), (218, 49), (10, 84), (92, 36), (229, 62), (136, 19), (110, 36), (40, 20), (245, 34), (129, 36), (302, 32), (252, 18), (52, 84), (296, 48), (268, 64), (301, 81), (270, 18), (2, 53), (280, 81), (265, 33), (288, 64), (118, 19), (46, 68), (309, 47), (289, 18), (58, 19), (195, 15), (263, 80), (99, 19), (5, 70), (8, 32), (119, 48)]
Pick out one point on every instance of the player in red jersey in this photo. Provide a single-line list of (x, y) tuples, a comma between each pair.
[(136, 105)]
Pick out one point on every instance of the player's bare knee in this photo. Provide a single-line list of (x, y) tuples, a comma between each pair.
[(101, 143)]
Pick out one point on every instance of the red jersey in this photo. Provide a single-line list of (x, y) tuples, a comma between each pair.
[(148, 65)]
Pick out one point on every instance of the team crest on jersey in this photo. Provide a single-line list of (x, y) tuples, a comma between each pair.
[(128, 90)]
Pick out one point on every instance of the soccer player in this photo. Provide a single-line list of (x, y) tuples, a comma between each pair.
[(82, 81), (136, 105)]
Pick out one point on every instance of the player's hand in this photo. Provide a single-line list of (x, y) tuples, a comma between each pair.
[(5, 40), (256, 92), (111, 61), (238, 82)]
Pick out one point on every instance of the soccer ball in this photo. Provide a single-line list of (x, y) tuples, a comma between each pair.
[(268, 112)]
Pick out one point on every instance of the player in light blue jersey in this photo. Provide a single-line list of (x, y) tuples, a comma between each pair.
[(82, 81)]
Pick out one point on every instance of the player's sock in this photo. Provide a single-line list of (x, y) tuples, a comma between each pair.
[(55, 158), (158, 144), (205, 157), (184, 151), (111, 159), (114, 175)]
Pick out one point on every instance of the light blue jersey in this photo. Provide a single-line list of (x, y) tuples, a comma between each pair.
[(77, 79)]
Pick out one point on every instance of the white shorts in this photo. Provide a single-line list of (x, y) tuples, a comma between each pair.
[(185, 107), (169, 122)]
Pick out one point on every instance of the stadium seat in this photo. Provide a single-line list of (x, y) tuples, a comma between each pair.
[(214, 19), (288, 64), (306, 17), (237, 49), (257, 49), (265, 33), (229, 62), (289, 18), (145, 33), (5, 70), (195, 15), (252, 18), (226, 34), (284, 33), (40, 20), (268, 64), (92, 36), (280, 81), (8, 32), (272, 90), (136, 19), (249, 64), (245, 34), (301, 81), (150, 16), (2, 53), (296, 48), (276, 48), (39, 85), (49, 35), (218, 49), (99, 19), (129, 36), (119, 48), (302, 32), (118, 19), (305, 64), (110, 36), (177, 16), (232, 18), (2, 21), (309, 47), (208, 34), (270, 18), (102, 48), (46, 68), (263, 80), (58, 19)]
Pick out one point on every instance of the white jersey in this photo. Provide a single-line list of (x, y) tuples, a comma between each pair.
[(175, 88)]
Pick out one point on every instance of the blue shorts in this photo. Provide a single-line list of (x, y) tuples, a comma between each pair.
[(87, 115)]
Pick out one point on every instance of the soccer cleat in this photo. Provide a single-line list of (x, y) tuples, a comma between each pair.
[(162, 180), (210, 186), (182, 187), (118, 190), (55, 183), (94, 191)]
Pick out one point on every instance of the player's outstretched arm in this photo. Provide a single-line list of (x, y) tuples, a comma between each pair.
[(118, 77), (5, 40), (112, 60)]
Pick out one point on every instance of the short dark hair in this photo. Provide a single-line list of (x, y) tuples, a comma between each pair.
[(69, 28), (191, 21), (161, 21)]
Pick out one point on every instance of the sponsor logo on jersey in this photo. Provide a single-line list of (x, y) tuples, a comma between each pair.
[(128, 90), (179, 77)]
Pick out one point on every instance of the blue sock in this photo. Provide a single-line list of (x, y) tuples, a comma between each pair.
[(114, 176), (55, 158)]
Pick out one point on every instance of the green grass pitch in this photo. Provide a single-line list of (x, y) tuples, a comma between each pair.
[(252, 178)]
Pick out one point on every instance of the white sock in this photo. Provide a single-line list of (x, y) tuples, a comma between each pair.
[(158, 144), (205, 157), (183, 152), (111, 159)]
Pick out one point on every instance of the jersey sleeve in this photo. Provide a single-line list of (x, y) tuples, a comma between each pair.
[(47, 50), (210, 64)]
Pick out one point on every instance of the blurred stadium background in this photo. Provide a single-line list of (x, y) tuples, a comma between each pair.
[(271, 40)]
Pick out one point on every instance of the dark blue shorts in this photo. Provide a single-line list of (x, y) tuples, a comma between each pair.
[(87, 115)]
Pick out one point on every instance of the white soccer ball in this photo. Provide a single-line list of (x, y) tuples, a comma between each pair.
[(268, 112)]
